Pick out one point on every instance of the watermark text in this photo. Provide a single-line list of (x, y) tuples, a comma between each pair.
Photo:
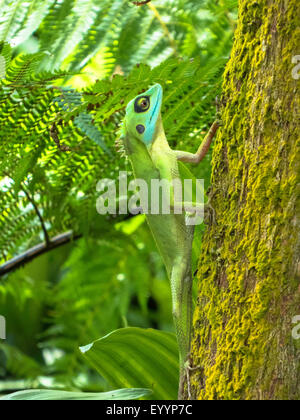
[(296, 329), (2, 328), (296, 69), (155, 197)]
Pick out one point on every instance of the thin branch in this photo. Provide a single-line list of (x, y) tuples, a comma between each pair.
[(43, 248), (38, 250), (31, 200)]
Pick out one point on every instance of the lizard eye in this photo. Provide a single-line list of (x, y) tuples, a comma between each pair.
[(142, 104)]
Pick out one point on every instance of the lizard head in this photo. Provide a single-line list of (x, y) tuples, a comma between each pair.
[(142, 115)]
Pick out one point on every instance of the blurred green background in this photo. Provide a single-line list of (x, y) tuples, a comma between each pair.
[(113, 276)]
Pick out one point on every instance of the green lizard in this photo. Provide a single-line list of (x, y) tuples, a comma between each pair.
[(146, 146)]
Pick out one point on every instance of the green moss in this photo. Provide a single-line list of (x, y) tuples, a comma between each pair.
[(249, 293)]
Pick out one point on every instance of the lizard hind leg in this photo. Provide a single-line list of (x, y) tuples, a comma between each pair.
[(181, 283)]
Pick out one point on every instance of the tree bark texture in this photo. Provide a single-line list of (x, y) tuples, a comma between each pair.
[(249, 268)]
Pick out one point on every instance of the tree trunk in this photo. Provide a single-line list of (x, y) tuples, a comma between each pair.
[(249, 268)]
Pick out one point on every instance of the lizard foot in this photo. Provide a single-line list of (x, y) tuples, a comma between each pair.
[(188, 369)]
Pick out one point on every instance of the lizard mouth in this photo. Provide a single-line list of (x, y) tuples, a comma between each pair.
[(154, 111), (158, 101)]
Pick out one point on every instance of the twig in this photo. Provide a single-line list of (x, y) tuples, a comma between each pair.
[(164, 26), (54, 135), (141, 3), (31, 200)]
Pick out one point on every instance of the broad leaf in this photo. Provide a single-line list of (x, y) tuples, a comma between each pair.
[(136, 357), (40, 394)]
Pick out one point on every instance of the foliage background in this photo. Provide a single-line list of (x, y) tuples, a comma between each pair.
[(71, 67)]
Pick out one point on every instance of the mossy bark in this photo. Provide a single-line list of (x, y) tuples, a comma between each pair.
[(249, 268)]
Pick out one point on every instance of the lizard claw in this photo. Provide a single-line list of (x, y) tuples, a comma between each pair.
[(209, 214)]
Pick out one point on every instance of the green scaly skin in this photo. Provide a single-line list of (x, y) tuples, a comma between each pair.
[(151, 157)]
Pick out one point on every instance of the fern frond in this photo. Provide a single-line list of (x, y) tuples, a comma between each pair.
[(21, 67), (85, 123)]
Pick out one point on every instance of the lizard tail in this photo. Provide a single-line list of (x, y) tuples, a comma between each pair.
[(181, 282)]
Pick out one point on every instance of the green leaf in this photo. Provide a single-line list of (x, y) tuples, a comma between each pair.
[(85, 123), (136, 357), (44, 394)]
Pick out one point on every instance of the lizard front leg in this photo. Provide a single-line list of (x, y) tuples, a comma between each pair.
[(203, 149)]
